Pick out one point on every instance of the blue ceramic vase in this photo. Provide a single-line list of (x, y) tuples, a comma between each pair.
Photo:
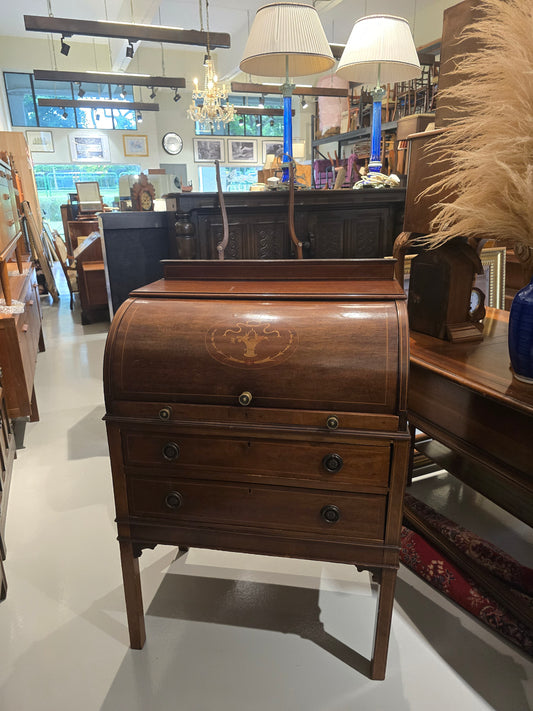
[(521, 334)]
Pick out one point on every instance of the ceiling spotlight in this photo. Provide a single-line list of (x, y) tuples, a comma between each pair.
[(271, 122), (129, 50), (81, 92), (65, 48), (206, 59), (97, 117), (258, 121), (122, 92), (64, 114), (261, 103), (139, 117), (152, 95), (304, 102), (241, 121), (177, 96)]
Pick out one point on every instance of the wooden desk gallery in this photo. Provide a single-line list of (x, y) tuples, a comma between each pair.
[(260, 406)]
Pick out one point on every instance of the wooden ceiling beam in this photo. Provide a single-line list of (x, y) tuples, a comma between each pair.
[(242, 87), (125, 30), (109, 78)]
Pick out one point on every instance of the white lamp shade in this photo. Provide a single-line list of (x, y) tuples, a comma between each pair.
[(286, 30), (380, 41)]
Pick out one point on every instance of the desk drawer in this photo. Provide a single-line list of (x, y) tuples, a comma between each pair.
[(329, 513), (324, 463)]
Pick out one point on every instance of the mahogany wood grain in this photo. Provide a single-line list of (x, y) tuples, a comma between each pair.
[(310, 464), (465, 396)]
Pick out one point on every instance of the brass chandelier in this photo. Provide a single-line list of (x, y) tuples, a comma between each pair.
[(210, 105)]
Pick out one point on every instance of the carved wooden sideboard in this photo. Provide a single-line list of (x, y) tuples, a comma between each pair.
[(332, 224), (261, 407)]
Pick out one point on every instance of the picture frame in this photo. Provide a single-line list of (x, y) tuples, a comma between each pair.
[(207, 150), (242, 150), (272, 148), (40, 141), (491, 282), (89, 149), (135, 145)]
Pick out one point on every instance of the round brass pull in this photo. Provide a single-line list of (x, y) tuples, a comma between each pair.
[(332, 462), (171, 451), (173, 500), (330, 513), (332, 422), (165, 413), (245, 398)]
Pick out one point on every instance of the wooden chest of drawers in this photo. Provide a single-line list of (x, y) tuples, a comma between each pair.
[(261, 407), (20, 340)]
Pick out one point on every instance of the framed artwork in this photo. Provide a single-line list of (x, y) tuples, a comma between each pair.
[(207, 150), (89, 149), (242, 150), (272, 149), (40, 141), (491, 282), (135, 145)]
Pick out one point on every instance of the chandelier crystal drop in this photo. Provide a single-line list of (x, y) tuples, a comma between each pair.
[(210, 105)]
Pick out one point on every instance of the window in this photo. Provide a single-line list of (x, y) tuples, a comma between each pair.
[(23, 91), (248, 125), (56, 181)]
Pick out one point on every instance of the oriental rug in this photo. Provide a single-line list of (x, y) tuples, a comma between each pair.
[(445, 575)]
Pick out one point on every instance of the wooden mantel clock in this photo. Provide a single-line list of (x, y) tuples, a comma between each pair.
[(142, 194)]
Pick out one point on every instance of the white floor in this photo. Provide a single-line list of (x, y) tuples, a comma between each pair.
[(225, 631)]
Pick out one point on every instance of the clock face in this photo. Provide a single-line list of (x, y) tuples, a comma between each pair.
[(146, 201), (172, 143)]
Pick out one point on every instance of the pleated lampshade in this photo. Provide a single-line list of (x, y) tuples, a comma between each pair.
[(380, 41), (286, 30)]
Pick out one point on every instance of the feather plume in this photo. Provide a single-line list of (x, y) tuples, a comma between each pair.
[(491, 147)]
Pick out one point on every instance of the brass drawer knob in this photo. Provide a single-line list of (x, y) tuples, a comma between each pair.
[(330, 513), (332, 462), (165, 413), (245, 398), (171, 451), (173, 500), (332, 422)]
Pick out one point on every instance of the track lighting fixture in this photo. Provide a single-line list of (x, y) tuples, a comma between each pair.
[(64, 114), (152, 95), (304, 102), (129, 50), (139, 117), (81, 92), (261, 103), (206, 59), (97, 117), (122, 92), (271, 122), (177, 96), (65, 48)]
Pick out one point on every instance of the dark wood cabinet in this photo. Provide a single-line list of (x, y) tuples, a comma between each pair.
[(261, 407), (337, 224)]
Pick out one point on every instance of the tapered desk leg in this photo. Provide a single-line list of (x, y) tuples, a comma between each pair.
[(383, 622), (132, 593)]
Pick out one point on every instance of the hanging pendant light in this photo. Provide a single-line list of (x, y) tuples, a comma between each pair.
[(210, 105)]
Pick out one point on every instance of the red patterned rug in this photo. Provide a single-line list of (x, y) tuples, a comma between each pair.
[(433, 566)]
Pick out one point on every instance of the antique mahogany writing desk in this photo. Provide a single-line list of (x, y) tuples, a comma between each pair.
[(465, 397), (261, 407)]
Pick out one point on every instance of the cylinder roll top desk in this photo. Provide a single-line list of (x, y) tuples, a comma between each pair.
[(261, 407)]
